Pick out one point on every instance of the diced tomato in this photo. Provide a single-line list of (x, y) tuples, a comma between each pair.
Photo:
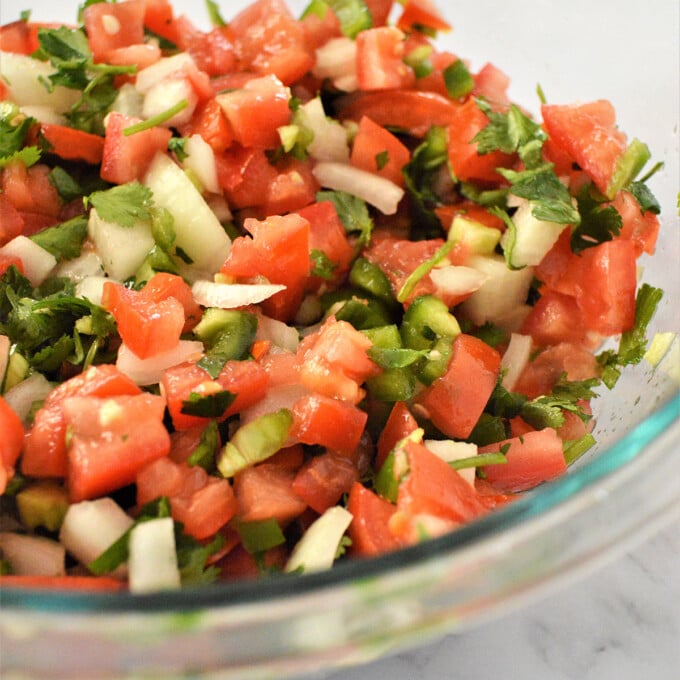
[(247, 380), (419, 13), (492, 84), (293, 188), (245, 175), (575, 427), (642, 228), (433, 487), (588, 133), (540, 375), (471, 211), (45, 447), (323, 480), (11, 442), (279, 251), (489, 496), (11, 222), (257, 110), (213, 51), (400, 424), (159, 18), (379, 10), (533, 458), (455, 400), (55, 583), (328, 422), (141, 55), (328, 235), (110, 26), (71, 144), (30, 190), (410, 110), (239, 564), (127, 157), (112, 439), (519, 426), (370, 526), (268, 39), (265, 491), (320, 29), (380, 60), (377, 150), (210, 122), (333, 361), (162, 286), (7, 261), (20, 37), (469, 166), (146, 327), (201, 502)]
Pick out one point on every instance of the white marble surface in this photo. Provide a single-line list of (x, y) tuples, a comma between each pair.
[(622, 622)]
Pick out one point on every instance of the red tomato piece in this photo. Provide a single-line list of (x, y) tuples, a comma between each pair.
[(245, 175), (141, 55), (323, 480), (455, 400), (127, 157), (162, 286), (469, 166), (268, 39), (533, 458), (265, 491), (29, 190), (45, 447), (293, 188), (380, 60), (492, 84), (588, 133), (7, 261), (433, 487), (210, 122), (400, 424), (328, 422), (112, 439), (71, 144), (11, 442), (145, 326), (642, 228), (110, 26), (377, 150), (82, 583), (213, 51), (257, 110), (422, 13), (279, 251), (159, 17), (319, 30), (20, 37), (370, 526), (11, 222)]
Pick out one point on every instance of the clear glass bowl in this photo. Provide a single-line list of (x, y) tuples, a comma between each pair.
[(617, 494)]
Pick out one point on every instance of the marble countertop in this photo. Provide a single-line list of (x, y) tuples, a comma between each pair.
[(622, 622)]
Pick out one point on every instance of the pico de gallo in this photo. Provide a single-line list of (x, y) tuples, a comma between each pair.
[(292, 290)]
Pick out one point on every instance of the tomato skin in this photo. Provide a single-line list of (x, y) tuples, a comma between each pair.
[(400, 423), (328, 422), (159, 18), (369, 529), (533, 458), (128, 19), (293, 188), (162, 286), (455, 400), (71, 144), (45, 446), (112, 439), (19, 37), (433, 487), (323, 480), (380, 63), (245, 175), (468, 166), (126, 158), (81, 583), (29, 190), (146, 327), (492, 84), (642, 228), (372, 140), (11, 222), (422, 13), (210, 122), (11, 442)]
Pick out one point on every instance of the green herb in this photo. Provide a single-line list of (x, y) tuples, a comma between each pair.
[(644, 196), (66, 185), (381, 159), (599, 223), (479, 460), (322, 265), (423, 269), (125, 204), (204, 454), (214, 14), (260, 535), (352, 211), (14, 127), (208, 405), (193, 555), (29, 155), (158, 119), (65, 240), (575, 448), (177, 145)]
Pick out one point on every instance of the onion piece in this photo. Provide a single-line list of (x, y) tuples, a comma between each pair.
[(515, 358), (150, 370), (457, 280), (373, 189), (37, 262), (24, 394), (232, 295), (201, 161), (33, 555), (277, 332)]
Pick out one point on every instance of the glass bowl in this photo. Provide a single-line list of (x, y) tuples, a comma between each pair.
[(619, 493)]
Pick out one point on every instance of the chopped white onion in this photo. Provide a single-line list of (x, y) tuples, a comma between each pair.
[(515, 358), (33, 555), (37, 262), (24, 394), (201, 161), (87, 264), (277, 332), (152, 561), (373, 189), (166, 94), (45, 114), (337, 59), (330, 138), (150, 370), (278, 397), (457, 280), (156, 73), (449, 450), (232, 295), (91, 288)]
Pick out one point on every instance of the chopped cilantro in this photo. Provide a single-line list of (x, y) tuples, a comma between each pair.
[(644, 196), (204, 454), (29, 155), (208, 405), (124, 204), (66, 185), (352, 211), (599, 223), (422, 270), (177, 145), (158, 119), (63, 240), (382, 159), (322, 265), (14, 126), (214, 14)]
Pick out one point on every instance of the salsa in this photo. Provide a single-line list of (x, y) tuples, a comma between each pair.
[(292, 290)]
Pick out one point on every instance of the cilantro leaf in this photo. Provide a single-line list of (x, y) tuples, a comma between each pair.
[(599, 223), (177, 145), (208, 405), (64, 240), (352, 211), (192, 557), (66, 185), (644, 196), (29, 155), (322, 265), (124, 204), (204, 454)]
